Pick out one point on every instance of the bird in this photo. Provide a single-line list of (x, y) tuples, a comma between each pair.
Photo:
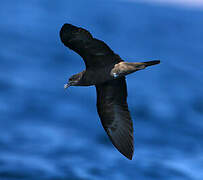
[(106, 71)]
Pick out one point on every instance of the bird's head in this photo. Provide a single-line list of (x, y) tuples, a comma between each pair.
[(74, 80)]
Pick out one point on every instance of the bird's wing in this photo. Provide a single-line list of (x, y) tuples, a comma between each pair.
[(94, 52), (113, 111)]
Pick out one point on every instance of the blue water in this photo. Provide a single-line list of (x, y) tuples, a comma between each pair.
[(47, 133)]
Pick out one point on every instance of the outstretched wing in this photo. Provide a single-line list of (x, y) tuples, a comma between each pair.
[(113, 111), (94, 52)]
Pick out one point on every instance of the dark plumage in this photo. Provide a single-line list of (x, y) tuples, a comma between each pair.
[(107, 71)]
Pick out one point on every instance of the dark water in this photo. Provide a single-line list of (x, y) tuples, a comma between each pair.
[(49, 133)]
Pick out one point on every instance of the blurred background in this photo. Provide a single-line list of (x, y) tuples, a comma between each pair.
[(47, 133)]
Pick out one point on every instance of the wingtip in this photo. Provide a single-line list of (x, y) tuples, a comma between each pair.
[(128, 155), (67, 25), (125, 147), (66, 33), (130, 158)]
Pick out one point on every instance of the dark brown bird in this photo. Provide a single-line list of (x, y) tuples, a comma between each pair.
[(107, 71)]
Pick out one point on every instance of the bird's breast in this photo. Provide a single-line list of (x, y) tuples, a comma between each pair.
[(97, 76)]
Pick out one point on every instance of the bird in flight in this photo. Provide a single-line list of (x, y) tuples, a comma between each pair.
[(107, 71)]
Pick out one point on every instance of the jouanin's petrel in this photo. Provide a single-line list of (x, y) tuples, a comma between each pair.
[(107, 71)]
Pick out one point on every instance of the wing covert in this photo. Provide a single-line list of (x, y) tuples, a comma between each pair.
[(93, 51)]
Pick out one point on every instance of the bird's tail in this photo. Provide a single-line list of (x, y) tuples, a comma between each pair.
[(150, 63), (125, 68)]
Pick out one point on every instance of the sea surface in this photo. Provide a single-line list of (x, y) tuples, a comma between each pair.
[(48, 133)]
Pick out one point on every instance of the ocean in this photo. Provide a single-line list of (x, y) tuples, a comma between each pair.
[(48, 133)]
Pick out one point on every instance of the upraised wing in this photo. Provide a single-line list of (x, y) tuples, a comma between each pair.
[(94, 52), (113, 111)]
